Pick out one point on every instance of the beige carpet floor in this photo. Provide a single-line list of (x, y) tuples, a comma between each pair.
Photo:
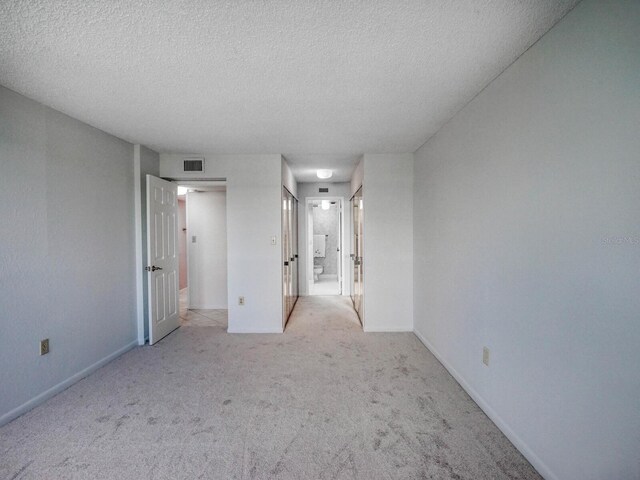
[(321, 401)]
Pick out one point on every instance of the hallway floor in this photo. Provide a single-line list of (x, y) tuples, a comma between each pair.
[(326, 285), (321, 401)]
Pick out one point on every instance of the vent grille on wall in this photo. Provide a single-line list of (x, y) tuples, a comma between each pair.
[(323, 190), (193, 165)]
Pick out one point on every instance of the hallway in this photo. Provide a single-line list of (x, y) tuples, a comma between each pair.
[(321, 401), (193, 317), (326, 285), (323, 315)]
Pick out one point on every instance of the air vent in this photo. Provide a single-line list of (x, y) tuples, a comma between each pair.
[(193, 165), (323, 190)]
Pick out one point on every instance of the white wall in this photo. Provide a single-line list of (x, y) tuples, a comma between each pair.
[(182, 242), (527, 223), (288, 180), (388, 242), (207, 221), (310, 190), (66, 254), (357, 177), (254, 187)]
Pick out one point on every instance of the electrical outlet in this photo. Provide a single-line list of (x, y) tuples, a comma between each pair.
[(485, 356), (240, 300), (274, 240), (44, 346)]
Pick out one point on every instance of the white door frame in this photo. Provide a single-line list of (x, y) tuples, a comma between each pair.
[(309, 240)]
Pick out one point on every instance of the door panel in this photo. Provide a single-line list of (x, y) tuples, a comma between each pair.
[(296, 260), (162, 258), (357, 290), (289, 254)]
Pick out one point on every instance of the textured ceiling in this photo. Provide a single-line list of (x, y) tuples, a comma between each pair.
[(321, 81)]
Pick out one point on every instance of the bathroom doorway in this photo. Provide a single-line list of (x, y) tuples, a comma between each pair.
[(324, 238)]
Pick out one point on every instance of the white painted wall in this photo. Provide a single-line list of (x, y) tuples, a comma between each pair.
[(388, 242), (254, 186), (310, 190), (288, 180), (527, 223), (207, 221), (66, 254), (182, 242), (357, 178)]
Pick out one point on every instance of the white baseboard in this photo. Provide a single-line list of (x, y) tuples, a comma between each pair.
[(537, 463), (46, 395)]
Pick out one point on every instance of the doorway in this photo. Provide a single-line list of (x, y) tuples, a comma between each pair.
[(202, 242), (324, 252)]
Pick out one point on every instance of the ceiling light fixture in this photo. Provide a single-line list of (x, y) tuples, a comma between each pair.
[(324, 174), (182, 190), (326, 205)]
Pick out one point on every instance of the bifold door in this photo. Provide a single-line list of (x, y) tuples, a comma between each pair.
[(289, 254), (357, 248)]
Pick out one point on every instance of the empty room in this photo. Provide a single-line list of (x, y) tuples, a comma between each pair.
[(365, 239)]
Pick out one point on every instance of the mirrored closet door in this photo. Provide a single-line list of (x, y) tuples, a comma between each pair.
[(289, 254), (357, 248)]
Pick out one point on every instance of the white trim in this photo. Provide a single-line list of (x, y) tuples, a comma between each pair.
[(216, 182), (255, 330), (137, 189), (537, 463), (187, 245), (47, 394)]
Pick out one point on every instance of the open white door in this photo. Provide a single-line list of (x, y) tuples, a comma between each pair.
[(162, 258)]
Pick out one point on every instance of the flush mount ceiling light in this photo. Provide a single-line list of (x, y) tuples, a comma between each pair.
[(326, 205), (182, 190), (324, 174)]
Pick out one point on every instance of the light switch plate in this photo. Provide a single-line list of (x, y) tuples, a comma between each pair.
[(44, 346), (485, 356)]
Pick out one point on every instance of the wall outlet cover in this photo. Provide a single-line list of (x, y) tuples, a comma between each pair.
[(240, 300)]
